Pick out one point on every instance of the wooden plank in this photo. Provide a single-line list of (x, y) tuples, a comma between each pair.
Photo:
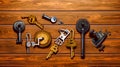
[(59, 5), (59, 60), (6, 30), (10, 46), (66, 17)]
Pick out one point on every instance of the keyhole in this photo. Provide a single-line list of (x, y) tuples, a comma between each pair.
[(83, 24), (19, 25)]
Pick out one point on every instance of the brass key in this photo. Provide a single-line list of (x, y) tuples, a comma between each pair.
[(53, 49), (33, 20), (71, 44)]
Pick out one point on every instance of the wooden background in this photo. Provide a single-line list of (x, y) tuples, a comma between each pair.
[(102, 14)]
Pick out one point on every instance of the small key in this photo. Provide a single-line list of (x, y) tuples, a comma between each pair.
[(71, 44), (33, 20), (82, 27), (19, 27), (28, 42), (63, 35), (52, 19), (53, 49)]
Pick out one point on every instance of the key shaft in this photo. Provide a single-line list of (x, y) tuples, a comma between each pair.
[(72, 52), (49, 55), (53, 49)]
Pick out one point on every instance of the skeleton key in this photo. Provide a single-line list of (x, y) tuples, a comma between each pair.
[(82, 27), (64, 34), (53, 49), (19, 27), (33, 20), (71, 44)]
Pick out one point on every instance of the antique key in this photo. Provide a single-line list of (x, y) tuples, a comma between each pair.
[(71, 44), (42, 33), (19, 27), (64, 34), (82, 27), (52, 19), (33, 20), (29, 42), (58, 41), (53, 49)]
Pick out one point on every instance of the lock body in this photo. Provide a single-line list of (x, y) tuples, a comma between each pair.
[(98, 38), (46, 38)]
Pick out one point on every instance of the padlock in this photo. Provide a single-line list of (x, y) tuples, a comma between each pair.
[(46, 38)]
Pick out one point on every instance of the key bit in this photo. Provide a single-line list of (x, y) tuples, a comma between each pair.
[(71, 44), (33, 20), (53, 49), (19, 27), (82, 27), (63, 35)]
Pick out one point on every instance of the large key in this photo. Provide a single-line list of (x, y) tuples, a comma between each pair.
[(71, 44), (82, 27), (33, 20), (19, 27), (53, 49)]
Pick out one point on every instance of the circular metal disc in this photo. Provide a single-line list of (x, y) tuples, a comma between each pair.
[(53, 19), (19, 24), (47, 38), (82, 24)]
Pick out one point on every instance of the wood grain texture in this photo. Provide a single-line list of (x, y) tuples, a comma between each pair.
[(101, 14), (66, 17), (62, 60), (60, 5), (112, 47)]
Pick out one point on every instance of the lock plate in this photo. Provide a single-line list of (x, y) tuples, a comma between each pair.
[(46, 38)]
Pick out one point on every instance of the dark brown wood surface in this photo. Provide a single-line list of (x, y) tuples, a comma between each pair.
[(101, 14)]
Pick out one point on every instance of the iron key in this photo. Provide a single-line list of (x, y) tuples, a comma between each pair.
[(19, 27), (82, 27)]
